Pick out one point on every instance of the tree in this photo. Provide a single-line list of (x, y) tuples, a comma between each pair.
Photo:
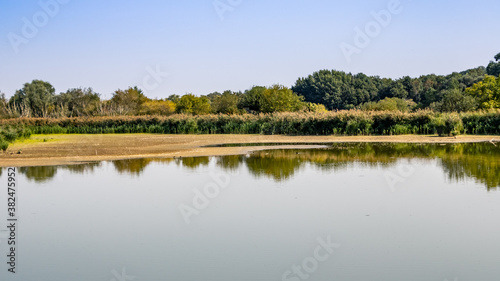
[(494, 67), (226, 103), (174, 98), (190, 104), (128, 102), (398, 90), (487, 92), (339, 90), (252, 98), (157, 107), (79, 102), (456, 100), (4, 106), (472, 76), (35, 99), (325, 87), (279, 98)]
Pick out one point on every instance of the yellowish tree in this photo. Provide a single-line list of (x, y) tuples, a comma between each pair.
[(157, 107), (487, 92)]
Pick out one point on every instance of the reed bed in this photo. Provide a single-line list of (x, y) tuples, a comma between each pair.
[(329, 123)]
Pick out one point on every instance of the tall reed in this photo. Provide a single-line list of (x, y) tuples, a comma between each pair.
[(328, 123)]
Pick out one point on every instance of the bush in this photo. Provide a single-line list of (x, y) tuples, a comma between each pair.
[(453, 124), (9, 135), (448, 124), (3, 144)]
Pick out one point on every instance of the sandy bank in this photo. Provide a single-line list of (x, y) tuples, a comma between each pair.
[(42, 150)]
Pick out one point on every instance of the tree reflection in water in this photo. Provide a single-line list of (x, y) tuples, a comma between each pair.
[(480, 161)]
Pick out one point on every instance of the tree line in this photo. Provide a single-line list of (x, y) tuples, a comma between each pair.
[(38, 99), (469, 90), (466, 91)]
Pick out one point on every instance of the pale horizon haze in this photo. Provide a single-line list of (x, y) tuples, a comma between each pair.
[(208, 46)]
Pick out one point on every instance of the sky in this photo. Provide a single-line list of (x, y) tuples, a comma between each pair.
[(202, 46)]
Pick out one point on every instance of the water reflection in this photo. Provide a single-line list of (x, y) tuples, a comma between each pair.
[(46, 173), (193, 162), (480, 161), (231, 163), (39, 174)]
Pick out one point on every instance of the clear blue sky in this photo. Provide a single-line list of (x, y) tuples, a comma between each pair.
[(110, 44)]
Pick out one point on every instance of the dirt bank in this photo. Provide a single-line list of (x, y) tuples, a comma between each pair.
[(42, 150)]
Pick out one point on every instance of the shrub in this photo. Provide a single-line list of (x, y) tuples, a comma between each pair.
[(3, 144), (9, 135)]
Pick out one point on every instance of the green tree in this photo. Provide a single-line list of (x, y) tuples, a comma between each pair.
[(494, 66), (338, 90), (252, 98), (128, 102), (190, 104), (174, 98), (79, 102), (456, 100), (226, 103), (486, 92), (325, 87), (398, 90), (35, 99), (279, 98)]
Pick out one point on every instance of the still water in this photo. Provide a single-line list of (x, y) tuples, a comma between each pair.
[(387, 212)]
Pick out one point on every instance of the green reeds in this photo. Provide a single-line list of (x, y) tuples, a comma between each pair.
[(328, 123)]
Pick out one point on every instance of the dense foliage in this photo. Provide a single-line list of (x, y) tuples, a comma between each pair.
[(37, 99), (364, 105), (340, 90), (487, 92), (337, 123), (465, 91)]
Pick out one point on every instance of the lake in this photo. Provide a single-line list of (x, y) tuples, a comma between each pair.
[(355, 211)]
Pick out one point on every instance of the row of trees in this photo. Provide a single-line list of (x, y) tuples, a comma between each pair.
[(340, 90), (38, 99), (477, 88)]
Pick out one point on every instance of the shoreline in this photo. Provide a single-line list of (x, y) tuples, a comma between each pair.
[(50, 150)]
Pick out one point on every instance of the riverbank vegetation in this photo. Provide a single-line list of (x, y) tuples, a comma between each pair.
[(326, 102), (347, 122)]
